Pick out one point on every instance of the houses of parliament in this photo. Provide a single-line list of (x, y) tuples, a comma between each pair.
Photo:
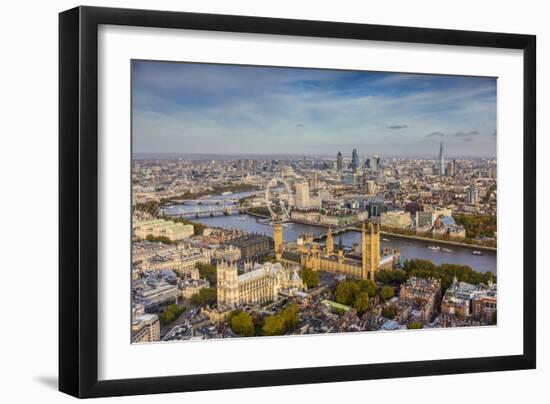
[(263, 285), (358, 264)]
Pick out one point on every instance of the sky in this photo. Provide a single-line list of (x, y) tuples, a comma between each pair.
[(231, 109)]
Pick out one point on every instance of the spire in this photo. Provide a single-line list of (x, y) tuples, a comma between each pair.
[(441, 159), (340, 244)]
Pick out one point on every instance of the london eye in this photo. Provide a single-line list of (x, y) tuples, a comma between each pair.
[(279, 199)]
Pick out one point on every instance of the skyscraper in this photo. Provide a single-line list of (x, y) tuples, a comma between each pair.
[(441, 160), (472, 195), (354, 160), (374, 162), (339, 161), (451, 168), (302, 195)]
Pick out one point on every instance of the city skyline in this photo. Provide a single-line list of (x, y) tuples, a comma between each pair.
[(362, 157), (187, 108)]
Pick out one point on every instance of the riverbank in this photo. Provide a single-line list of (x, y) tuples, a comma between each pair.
[(386, 233), (409, 248), (438, 241)]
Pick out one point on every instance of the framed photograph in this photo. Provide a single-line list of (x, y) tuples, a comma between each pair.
[(250, 201)]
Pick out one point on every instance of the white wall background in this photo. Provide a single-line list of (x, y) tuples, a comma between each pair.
[(28, 198)]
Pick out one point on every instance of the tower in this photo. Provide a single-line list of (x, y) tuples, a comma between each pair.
[(302, 195), (441, 160), (370, 240), (278, 239), (340, 251), (354, 160), (227, 284), (339, 161), (375, 163), (472, 195), (329, 243)]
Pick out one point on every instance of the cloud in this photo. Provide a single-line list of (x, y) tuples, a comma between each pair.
[(466, 134), (435, 134), (223, 108)]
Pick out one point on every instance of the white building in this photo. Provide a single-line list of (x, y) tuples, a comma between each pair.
[(302, 195), (145, 328), (160, 227), (472, 195), (395, 219)]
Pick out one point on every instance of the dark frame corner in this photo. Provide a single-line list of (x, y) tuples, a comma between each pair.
[(78, 180)]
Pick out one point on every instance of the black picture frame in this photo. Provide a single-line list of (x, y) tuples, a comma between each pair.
[(78, 200)]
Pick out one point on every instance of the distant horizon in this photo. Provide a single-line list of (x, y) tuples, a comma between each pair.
[(266, 110), (301, 155)]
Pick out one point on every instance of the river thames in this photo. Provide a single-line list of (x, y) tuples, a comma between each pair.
[(409, 248)]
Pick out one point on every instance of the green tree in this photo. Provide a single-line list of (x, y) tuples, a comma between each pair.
[(414, 325), (151, 207), (477, 225), (386, 293), (389, 312), (242, 324), (206, 296), (391, 276), (274, 325), (346, 292), (418, 264), (446, 272), (160, 239), (291, 315), (208, 271), (361, 303), (310, 277), (198, 228), (368, 286), (171, 313)]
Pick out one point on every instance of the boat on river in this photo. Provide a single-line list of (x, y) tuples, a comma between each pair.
[(476, 252), (434, 247), (386, 240), (447, 250)]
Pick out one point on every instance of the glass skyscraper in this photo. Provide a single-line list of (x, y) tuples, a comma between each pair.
[(441, 160), (354, 160)]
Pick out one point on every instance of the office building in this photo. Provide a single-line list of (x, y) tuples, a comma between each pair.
[(145, 328), (302, 195), (395, 219), (472, 195), (354, 160), (374, 164), (252, 245), (160, 227), (339, 161)]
